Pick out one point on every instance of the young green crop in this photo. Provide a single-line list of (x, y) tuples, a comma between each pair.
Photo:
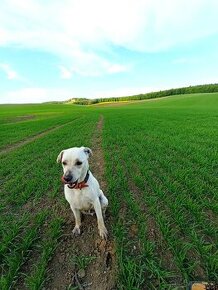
[(163, 151), (22, 122), (161, 173)]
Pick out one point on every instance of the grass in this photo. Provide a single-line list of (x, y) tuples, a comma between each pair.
[(161, 172), (82, 261)]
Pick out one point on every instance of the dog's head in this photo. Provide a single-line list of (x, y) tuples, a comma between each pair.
[(75, 163)]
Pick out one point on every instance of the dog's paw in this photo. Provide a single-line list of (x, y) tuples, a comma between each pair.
[(76, 231), (103, 233)]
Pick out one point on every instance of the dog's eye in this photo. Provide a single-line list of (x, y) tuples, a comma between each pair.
[(78, 163), (64, 163)]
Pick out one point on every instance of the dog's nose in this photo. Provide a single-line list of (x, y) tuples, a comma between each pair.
[(68, 177)]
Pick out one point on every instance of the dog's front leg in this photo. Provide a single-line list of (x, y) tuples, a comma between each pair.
[(101, 227), (77, 215)]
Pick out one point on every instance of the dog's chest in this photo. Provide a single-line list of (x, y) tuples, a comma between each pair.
[(79, 199)]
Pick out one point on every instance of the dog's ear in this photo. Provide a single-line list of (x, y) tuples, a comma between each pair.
[(88, 151), (59, 158)]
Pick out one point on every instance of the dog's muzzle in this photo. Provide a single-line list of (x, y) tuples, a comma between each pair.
[(76, 184), (67, 180)]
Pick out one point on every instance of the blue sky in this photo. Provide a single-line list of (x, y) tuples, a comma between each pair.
[(56, 50)]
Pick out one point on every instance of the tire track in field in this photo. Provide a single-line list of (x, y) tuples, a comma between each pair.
[(106, 260), (100, 273), (33, 138)]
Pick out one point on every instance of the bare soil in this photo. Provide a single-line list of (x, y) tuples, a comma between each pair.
[(100, 273)]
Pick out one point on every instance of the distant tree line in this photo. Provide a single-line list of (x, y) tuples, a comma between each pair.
[(209, 88)]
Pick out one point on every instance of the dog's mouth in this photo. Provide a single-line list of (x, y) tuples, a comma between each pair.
[(70, 183)]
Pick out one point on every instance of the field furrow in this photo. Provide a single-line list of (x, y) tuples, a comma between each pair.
[(33, 138)]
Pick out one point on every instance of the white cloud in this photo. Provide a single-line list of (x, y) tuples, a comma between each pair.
[(91, 65), (76, 31), (116, 68), (35, 95), (11, 74)]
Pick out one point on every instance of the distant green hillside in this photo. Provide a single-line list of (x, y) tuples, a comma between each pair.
[(209, 88)]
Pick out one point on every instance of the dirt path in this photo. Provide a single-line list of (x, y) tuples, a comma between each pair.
[(19, 144), (85, 262)]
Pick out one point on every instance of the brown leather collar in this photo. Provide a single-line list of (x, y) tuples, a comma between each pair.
[(78, 185)]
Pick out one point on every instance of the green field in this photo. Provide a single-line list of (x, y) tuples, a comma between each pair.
[(159, 173)]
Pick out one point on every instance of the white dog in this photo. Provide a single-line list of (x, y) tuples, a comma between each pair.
[(81, 189)]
